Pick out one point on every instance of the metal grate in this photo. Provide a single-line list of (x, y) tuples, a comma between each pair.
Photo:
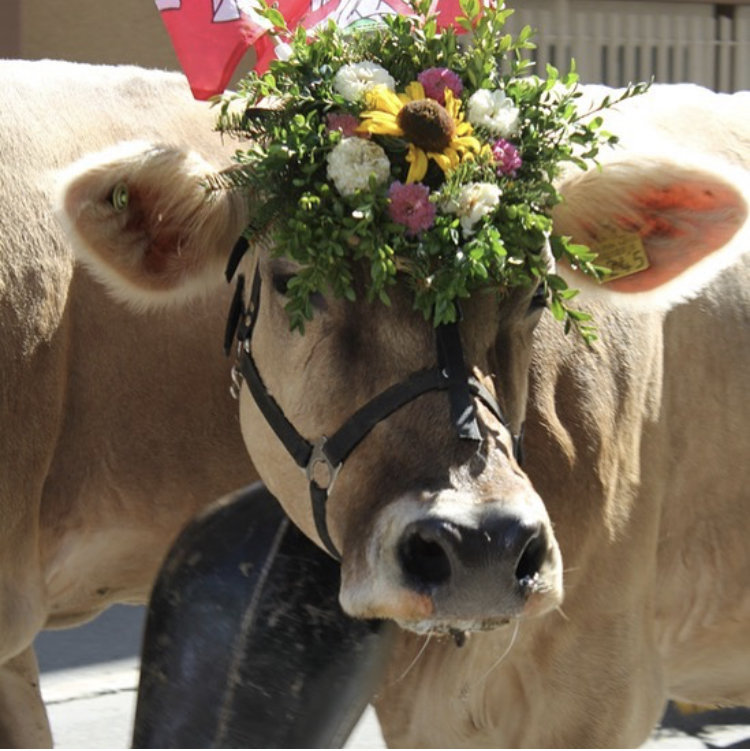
[(616, 42)]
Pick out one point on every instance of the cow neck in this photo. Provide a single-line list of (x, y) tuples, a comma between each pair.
[(322, 458)]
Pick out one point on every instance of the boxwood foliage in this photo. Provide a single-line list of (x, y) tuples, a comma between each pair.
[(281, 117)]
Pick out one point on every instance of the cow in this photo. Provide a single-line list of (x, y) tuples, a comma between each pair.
[(116, 427), (557, 599)]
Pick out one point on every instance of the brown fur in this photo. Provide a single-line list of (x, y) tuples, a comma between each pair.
[(116, 427)]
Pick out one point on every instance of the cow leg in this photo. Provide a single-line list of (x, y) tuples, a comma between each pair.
[(23, 719)]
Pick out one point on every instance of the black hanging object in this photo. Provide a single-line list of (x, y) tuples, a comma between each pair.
[(246, 645)]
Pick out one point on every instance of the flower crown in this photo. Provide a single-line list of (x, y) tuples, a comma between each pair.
[(419, 151)]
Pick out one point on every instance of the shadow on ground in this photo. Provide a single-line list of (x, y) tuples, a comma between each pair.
[(703, 724), (114, 635)]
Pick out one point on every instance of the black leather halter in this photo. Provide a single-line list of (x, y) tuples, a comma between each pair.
[(322, 458)]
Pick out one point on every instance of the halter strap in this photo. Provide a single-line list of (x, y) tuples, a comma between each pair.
[(322, 459)]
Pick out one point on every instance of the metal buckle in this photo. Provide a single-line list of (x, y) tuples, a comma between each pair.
[(324, 478), (236, 374), (237, 379)]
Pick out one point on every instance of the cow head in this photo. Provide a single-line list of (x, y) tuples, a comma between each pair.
[(435, 530)]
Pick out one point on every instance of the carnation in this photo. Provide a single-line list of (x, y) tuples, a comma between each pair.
[(353, 79), (493, 111), (475, 201), (506, 157), (344, 122), (411, 206), (353, 161), (413, 152), (436, 80)]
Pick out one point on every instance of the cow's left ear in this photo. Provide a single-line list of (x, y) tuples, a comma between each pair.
[(141, 219), (665, 229)]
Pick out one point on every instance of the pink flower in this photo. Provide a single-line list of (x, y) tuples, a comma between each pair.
[(411, 206), (344, 122), (506, 157), (436, 80)]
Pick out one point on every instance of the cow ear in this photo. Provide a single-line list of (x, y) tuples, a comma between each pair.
[(664, 228), (140, 217)]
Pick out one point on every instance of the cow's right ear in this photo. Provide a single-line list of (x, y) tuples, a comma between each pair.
[(666, 226), (141, 219)]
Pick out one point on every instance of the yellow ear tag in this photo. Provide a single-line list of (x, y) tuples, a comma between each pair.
[(622, 253)]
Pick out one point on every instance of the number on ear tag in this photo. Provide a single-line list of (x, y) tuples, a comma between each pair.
[(622, 253)]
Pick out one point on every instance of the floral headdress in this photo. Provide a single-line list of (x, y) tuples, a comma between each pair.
[(418, 151)]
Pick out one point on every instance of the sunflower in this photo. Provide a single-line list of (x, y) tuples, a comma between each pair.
[(433, 131)]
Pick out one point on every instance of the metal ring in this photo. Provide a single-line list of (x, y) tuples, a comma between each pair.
[(319, 457)]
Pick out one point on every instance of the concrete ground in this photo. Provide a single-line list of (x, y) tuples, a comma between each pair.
[(90, 675)]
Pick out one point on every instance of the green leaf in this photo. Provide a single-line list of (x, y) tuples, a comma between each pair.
[(275, 17), (283, 166), (557, 309), (470, 8)]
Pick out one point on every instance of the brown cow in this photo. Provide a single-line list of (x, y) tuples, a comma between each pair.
[(115, 427), (632, 501)]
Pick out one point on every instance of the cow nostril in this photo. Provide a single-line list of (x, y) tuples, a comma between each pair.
[(424, 561), (531, 561)]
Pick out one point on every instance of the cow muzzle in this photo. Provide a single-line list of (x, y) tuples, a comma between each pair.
[(457, 566)]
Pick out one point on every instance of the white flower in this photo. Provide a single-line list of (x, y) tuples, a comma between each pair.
[(283, 51), (494, 111), (476, 200), (353, 79), (353, 160)]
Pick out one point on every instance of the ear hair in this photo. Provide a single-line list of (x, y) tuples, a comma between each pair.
[(168, 241)]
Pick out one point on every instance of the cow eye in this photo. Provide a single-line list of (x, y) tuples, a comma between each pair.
[(538, 299), (280, 282), (120, 197)]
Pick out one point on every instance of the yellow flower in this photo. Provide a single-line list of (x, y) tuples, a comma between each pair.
[(433, 131)]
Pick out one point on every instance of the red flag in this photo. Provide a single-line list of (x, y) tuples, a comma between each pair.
[(211, 36)]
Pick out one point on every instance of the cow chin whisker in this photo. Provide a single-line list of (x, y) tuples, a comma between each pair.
[(562, 614), (414, 661), (503, 656), (570, 570)]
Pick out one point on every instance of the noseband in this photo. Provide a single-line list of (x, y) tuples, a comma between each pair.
[(322, 458)]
